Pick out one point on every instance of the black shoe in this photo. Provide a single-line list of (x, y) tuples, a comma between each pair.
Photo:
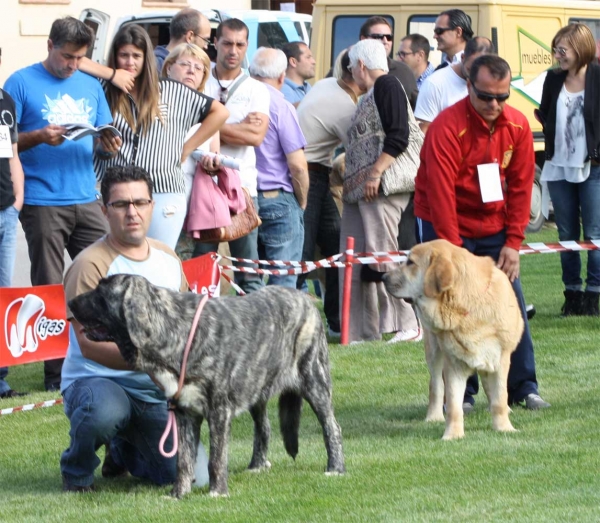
[(535, 402), (468, 408), (530, 310), (111, 469), (573, 305), (12, 394), (53, 387), (589, 306), (67, 487)]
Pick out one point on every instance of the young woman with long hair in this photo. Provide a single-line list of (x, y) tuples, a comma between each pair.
[(154, 119)]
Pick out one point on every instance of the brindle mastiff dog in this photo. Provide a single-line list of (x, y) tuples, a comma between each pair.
[(245, 350)]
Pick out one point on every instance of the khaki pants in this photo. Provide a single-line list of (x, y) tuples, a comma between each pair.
[(374, 226)]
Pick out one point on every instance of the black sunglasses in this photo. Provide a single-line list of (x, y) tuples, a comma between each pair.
[(379, 36), (441, 30), (487, 97)]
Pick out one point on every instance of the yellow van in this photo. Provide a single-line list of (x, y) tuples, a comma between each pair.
[(522, 31)]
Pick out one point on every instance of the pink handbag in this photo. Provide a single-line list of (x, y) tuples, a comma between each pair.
[(220, 212)]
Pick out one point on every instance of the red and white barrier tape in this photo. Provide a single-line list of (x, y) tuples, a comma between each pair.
[(41, 405), (235, 286), (542, 248), (368, 258)]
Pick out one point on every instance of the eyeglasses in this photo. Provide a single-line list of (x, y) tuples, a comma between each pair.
[(206, 40), (379, 36), (560, 50), (123, 205), (404, 54), (189, 65), (488, 97), (441, 30)]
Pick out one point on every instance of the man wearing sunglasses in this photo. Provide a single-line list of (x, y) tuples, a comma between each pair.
[(452, 31), (188, 26), (449, 85), (474, 189), (378, 28)]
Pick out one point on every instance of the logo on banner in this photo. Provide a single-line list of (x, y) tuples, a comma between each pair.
[(25, 324), (202, 274)]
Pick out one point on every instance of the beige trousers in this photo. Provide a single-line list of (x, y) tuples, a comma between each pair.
[(374, 226)]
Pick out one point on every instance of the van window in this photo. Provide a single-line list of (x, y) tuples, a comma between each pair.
[(346, 31), (158, 30), (308, 27), (271, 34), (298, 28), (93, 25), (423, 25), (594, 26)]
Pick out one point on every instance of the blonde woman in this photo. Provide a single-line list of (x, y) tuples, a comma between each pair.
[(154, 119), (190, 65)]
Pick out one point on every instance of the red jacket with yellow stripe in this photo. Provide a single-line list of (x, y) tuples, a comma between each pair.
[(447, 189)]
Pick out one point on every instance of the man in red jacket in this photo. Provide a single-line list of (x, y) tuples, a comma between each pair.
[(474, 190)]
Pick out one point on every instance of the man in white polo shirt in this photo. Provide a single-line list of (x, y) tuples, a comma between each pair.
[(248, 103)]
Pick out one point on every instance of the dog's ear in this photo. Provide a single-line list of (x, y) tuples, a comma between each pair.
[(439, 276), (140, 313)]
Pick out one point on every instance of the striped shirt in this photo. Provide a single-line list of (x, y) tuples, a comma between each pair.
[(159, 149)]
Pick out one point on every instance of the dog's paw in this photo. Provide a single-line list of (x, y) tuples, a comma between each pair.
[(434, 418), (504, 428), (215, 494), (179, 492), (452, 435), (260, 468)]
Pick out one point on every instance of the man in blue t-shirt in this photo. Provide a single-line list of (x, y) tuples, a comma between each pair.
[(61, 209)]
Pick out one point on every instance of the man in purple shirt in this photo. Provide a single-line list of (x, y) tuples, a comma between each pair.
[(282, 170)]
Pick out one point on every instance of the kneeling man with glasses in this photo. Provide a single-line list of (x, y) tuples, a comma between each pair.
[(106, 402)]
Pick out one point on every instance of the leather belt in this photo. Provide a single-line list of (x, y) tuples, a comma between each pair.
[(319, 167)]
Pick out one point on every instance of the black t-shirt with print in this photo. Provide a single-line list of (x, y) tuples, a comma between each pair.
[(8, 116)]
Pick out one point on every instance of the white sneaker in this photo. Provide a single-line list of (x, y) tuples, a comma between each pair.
[(409, 335)]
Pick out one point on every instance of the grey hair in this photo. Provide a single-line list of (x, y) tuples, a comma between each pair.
[(268, 63), (371, 52)]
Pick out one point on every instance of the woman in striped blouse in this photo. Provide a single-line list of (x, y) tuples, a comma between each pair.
[(154, 118)]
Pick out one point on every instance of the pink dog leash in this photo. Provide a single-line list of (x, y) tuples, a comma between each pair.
[(171, 421)]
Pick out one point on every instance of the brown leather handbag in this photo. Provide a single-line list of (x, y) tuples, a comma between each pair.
[(241, 224)]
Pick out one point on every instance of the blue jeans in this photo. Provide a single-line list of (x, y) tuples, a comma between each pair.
[(522, 379), (8, 249), (168, 217), (572, 201), (281, 235), (101, 412), (244, 247)]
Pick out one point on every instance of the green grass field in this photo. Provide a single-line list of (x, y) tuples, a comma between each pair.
[(398, 467)]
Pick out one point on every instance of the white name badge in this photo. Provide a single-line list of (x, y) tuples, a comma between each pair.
[(489, 182), (6, 150)]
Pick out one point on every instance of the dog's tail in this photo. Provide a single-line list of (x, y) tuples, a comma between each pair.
[(290, 408)]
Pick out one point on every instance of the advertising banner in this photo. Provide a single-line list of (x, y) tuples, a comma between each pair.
[(33, 324)]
